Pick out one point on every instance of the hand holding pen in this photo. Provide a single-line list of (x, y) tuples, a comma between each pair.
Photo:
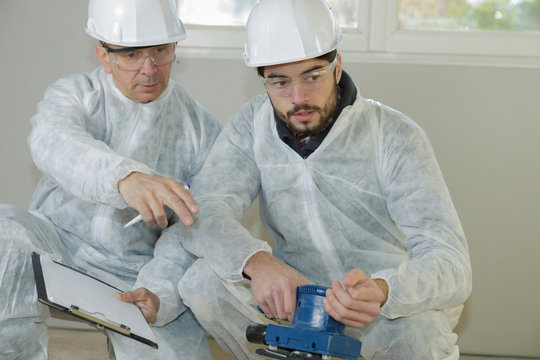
[(149, 195), (138, 218)]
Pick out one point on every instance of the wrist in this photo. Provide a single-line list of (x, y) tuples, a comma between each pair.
[(254, 262), (383, 286), (122, 181)]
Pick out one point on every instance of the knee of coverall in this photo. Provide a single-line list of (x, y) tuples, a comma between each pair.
[(11, 223), (25, 338), (11, 214), (424, 336), (22, 233), (197, 288), (23, 230)]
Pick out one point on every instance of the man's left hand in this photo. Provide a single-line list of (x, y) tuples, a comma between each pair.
[(145, 300), (361, 300)]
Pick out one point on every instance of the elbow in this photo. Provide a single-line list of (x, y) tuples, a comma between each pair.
[(467, 281), (463, 278)]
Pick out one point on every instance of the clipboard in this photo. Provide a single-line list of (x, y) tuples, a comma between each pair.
[(85, 297)]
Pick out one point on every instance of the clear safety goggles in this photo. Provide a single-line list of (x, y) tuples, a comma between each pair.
[(133, 58), (311, 81)]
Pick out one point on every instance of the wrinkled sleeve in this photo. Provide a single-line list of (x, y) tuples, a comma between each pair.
[(226, 186), (437, 274), (162, 274), (62, 148)]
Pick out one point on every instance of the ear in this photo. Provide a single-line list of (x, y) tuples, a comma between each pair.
[(338, 68), (104, 58)]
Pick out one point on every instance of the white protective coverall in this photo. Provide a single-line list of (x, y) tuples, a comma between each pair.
[(371, 196), (86, 137)]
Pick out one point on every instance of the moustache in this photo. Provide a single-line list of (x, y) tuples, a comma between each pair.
[(149, 80), (297, 108)]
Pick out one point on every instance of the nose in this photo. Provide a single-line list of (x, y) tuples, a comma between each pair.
[(148, 66), (299, 93)]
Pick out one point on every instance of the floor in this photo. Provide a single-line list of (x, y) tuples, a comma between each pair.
[(77, 344)]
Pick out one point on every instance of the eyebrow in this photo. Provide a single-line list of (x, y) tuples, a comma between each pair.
[(316, 67)]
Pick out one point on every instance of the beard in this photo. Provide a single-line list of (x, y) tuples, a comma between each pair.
[(326, 114)]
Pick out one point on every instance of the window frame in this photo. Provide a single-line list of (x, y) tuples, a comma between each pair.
[(378, 38)]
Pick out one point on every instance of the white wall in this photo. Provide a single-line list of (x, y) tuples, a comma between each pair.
[(482, 122)]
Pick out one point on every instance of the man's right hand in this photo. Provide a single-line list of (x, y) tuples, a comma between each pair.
[(150, 194), (273, 285)]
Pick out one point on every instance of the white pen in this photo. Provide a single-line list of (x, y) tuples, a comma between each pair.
[(138, 218)]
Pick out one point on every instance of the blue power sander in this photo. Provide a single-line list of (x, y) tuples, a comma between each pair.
[(313, 334)]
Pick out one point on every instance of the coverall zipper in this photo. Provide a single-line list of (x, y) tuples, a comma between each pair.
[(105, 210), (321, 241)]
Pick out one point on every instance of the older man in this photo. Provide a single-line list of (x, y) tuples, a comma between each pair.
[(113, 143)]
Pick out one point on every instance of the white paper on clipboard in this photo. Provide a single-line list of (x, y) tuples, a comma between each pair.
[(90, 298)]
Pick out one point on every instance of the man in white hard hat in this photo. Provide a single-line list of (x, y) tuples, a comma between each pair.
[(112, 143), (349, 192)]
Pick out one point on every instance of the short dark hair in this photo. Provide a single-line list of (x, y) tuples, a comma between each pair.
[(329, 56)]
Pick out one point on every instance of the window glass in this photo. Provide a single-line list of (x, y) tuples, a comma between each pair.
[(346, 12), (235, 12), (470, 15), (215, 12)]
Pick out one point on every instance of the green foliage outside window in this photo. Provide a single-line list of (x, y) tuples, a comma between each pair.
[(506, 15)]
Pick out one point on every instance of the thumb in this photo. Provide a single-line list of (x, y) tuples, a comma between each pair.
[(354, 277), (125, 296)]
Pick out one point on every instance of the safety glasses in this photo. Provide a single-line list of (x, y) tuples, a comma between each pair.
[(311, 81), (133, 58)]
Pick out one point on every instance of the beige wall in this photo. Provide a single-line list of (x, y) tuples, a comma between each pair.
[(482, 122)]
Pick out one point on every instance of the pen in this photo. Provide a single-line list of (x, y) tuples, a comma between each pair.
[(138, 218)]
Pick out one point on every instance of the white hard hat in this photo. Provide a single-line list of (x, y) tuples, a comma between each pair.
[(134, 22), (283, 31)]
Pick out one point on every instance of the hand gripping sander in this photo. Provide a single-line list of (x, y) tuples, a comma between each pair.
[(313, 334)]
